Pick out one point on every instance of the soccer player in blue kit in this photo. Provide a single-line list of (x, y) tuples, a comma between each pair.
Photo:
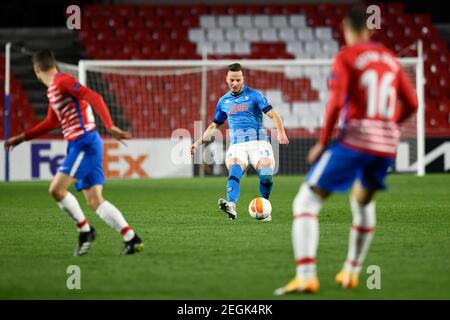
[(244, 108)]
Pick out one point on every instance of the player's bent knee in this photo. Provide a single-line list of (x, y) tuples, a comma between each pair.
[(306, 201), (265, 163), (57, 193), (94, 203), (235, 162)]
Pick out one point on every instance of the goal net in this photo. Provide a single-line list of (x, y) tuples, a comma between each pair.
[(167, 99)]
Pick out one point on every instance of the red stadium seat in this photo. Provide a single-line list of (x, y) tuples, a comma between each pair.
[(289, 9), (395, 8), (218, 10), (254, 9), (152, 22), (236, 9), (272, 9), (145, 11), (182, 11), (163, 10), (199, 9), (189, 22)]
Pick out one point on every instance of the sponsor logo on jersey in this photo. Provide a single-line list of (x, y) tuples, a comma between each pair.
[(235, 109)]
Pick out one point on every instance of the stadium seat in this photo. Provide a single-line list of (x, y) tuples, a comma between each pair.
[(279, 21), (244, 21), (252, 35), (261, 21), (225, 22), (287, 34), (269, 35)]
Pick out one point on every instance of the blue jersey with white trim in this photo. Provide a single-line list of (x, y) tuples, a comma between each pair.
[(244, 112)]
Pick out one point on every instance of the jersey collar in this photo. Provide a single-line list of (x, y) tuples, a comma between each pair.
[(240, 93)]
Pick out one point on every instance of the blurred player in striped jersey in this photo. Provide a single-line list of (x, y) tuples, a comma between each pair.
[(70, 108), (244, 108), (365, 81)]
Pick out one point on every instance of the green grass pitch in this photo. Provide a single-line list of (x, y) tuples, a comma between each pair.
[(192, 251)]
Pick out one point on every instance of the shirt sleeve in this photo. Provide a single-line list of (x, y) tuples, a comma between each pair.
[(50, 123), (407, 96), (262, 102), (73, 88), (219, 115), (337, 86)]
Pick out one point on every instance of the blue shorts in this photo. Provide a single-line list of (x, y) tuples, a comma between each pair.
[(84, 161), (340, 166)]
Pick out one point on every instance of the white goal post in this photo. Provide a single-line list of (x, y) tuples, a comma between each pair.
[(179, 88)]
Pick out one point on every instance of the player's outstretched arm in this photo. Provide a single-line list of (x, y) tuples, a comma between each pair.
[(276, 118), (48, 124), (209, 132)]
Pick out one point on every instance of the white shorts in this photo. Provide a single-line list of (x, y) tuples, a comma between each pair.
[(253, 150)]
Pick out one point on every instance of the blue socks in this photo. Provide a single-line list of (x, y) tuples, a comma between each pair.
[(265, 182), (233, 184)]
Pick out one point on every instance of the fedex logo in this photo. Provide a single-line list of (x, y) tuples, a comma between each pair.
[(134, 165), (235, 109), (41, 155), (47, 157)]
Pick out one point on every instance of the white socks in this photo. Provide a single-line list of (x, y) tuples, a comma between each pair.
[(71, 206), (305, 231), (361, 234), (107, 211), (114, 218)]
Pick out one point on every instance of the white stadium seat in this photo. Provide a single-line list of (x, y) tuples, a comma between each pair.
[(331, 47), (208, 45), (312, 47), (233, 34), (222, 48), (208, 22), (261, 21), (274, 96), (323, 95), (196, 35), (251, 35), (317, 108), (268, 123), (297, 21), (283, 108), (294, 47), (290, 122), (287, 34), (241, 48), (320, 55), (293, 72), (305, 34), (244, 21), (309, 122), (214, 35), (301, 109), (225, 22), (269, 35), (279, 21), (323, 33)]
